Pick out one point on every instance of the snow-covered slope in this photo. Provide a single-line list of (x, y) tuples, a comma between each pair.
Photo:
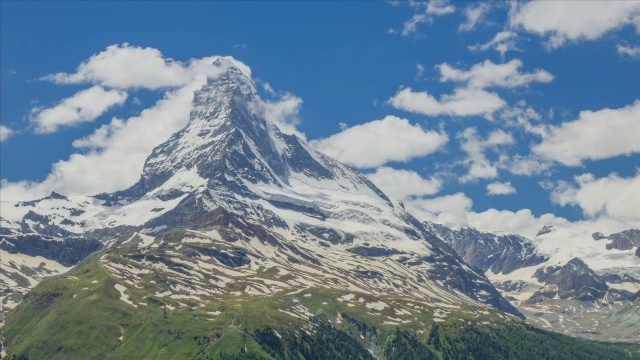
[(231, 169), (214, 263), (572, 278), (19, 273)]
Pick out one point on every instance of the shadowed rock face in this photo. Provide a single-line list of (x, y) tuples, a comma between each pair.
[(574, 280), (67, 252), (545, 230), (372, 251), (486, 251), (40, 224), (624, 240)]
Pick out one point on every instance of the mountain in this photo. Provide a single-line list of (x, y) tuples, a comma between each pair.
[(229, 167), (568, 279), (236, 225)]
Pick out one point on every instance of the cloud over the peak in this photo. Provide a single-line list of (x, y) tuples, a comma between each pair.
[(561, 22), (283, 112), (84, 106), (594, 135), (455, 210), (133, 67), (378, 142), (124, 66), (111, 158)]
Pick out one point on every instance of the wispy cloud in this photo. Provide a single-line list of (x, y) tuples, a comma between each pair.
[(5, 133), (474, 15), (426, 11), (630, 51)]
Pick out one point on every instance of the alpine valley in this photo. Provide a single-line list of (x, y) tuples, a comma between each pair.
[(240, 241)]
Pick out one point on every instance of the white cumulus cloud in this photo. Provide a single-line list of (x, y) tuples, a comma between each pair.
[(124, 66), (562, 21), (402, 184), (475, 148), (447, 209), (612, 196), (378, 142), (522, 222), (455, 211), (463, 102), (84, 106), (440, 7), (470, 98), (594, 135), (488, 74), (500, 188), (524, 165)]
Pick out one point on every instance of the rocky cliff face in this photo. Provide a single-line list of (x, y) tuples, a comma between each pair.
[(486, 251), (624, 240), (574, 280)]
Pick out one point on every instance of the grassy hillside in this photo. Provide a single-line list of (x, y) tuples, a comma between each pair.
[(83, 315)]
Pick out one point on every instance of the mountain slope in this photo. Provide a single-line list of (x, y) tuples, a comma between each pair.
[(164, 298)]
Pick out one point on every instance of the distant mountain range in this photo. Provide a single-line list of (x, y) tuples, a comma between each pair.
[(575, 281)]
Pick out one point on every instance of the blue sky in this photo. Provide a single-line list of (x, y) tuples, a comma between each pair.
[(450, 108)]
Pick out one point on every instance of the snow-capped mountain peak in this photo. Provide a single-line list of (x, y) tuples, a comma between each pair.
[(230, 168)]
